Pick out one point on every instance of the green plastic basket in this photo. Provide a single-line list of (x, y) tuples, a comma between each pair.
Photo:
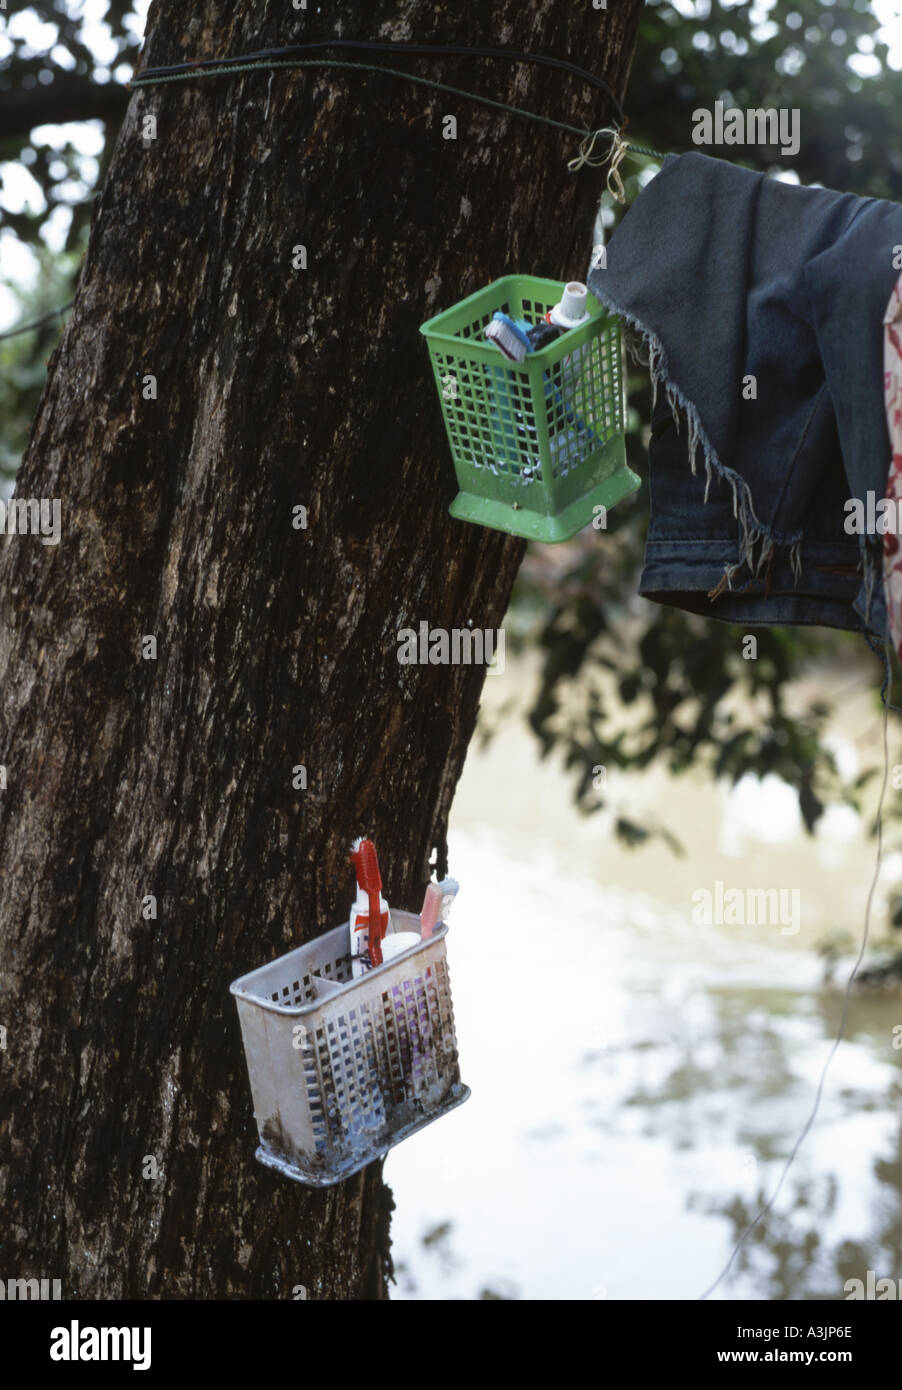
[(537, 445)]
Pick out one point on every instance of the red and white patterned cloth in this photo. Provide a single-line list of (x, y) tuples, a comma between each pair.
[(892, 385)]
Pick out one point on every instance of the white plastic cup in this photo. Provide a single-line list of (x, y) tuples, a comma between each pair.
[(396, 942)]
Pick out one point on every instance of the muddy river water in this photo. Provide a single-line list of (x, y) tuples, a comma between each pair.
[(639, 1075)]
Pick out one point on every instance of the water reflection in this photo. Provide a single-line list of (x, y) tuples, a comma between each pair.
[(637, 1084)]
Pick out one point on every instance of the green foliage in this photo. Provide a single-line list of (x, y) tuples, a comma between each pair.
[(23, 359), (57, 81), (851, 125), (624, 691)]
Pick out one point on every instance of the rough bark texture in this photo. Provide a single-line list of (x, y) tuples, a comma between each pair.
[(127, 777)]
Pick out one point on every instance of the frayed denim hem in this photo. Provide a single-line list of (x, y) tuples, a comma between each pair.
[(646, 349)]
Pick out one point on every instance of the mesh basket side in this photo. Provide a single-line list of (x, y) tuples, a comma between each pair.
[(384, 1057), (337, 1083), (288, 980)]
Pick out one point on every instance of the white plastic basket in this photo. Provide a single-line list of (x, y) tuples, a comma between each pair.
[(340, 1068)]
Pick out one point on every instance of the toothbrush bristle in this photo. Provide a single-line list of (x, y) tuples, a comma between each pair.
[(506, 340)]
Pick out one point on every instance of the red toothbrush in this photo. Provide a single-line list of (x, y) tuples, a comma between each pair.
[(369, 881)]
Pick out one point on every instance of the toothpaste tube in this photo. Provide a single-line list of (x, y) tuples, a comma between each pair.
[(570, 312), (514, 339)]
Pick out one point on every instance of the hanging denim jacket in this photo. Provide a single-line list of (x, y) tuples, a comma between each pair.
[(759, 308)]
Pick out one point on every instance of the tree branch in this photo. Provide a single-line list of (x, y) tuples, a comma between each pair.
[(69, 97)]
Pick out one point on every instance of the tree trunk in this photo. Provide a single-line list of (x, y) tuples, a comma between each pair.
[(128, 776)]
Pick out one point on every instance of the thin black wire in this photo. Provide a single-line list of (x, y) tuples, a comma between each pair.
[(38, 323), (274, 58), (380, 46), (275, 64)]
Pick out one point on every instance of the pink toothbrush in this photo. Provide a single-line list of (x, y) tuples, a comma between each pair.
[(436, 905)]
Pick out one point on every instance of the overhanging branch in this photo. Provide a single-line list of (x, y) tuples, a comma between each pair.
[(69, 97)]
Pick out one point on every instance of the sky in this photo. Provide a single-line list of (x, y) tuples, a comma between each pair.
[(20, 190)]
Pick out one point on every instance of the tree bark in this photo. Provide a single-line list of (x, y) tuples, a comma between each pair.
[(127, 777)]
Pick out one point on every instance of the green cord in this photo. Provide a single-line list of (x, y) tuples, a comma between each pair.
[(643, 149)]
